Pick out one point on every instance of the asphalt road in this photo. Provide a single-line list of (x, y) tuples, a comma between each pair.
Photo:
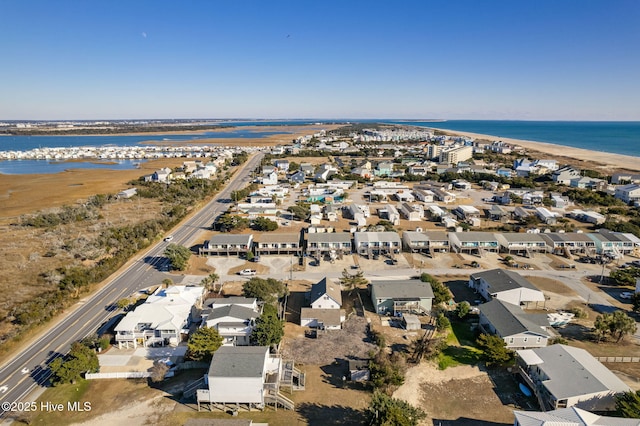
[(27, 370)]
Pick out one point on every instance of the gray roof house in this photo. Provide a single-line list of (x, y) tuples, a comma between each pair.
[(244, 375), (522, 243), (326, 242), (372, 243), (517, 328), (270, 243), (325, 300), (570, 416), (505, 285), (234, 323), (227, 244), (473, 242), (564, 376), (406, 296)]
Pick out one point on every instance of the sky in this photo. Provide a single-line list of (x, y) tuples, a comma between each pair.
[(531, 60)]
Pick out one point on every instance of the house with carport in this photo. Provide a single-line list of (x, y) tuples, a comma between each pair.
[(505, 285), (227, 245)]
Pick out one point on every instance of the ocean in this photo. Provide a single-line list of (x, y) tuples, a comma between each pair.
[(617, 137)]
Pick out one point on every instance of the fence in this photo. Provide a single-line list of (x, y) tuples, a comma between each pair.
[(618, 359), (123, 375)]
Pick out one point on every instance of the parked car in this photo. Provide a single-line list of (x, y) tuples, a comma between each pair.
[(626, 295), (256, 259), (247, 272)]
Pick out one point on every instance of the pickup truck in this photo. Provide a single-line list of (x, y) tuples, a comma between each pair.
[(247, 272)]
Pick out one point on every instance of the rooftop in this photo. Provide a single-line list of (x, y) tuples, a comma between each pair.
[(239, 361), (402, 289)]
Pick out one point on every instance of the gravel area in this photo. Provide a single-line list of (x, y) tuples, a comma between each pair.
[(350, 342)]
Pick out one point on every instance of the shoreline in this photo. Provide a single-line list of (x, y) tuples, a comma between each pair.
[(603, 160)]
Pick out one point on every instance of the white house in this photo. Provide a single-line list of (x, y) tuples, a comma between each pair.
[(570, 416), (628, 193), (325, 312), (564, 376), (508, 286), (234, 322), (163, 319)]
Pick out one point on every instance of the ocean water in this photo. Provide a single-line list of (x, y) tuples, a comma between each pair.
[(25, 143), (618, 137)]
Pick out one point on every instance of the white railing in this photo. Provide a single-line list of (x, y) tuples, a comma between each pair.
[(121, 375)]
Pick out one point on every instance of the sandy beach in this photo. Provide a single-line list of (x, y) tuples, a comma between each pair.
[(604, 162)]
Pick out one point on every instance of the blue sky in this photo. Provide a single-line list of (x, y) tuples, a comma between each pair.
[(539, 60)]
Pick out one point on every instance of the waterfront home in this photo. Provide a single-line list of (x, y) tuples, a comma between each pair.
[(518, 329), (625, 178), (564, 376), (505, 285), (391, 297), (564, 175), (473, 242), (163, 319), (227, 245), (376, 243), (629, 194)]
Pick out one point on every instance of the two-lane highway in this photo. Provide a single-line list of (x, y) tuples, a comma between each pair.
[(90, 313)]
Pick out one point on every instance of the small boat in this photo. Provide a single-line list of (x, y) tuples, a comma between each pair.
[(525, 390)]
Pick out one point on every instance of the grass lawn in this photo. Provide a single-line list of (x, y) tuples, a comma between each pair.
[(461, 349)]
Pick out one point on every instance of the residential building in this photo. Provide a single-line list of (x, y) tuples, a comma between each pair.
[(466, 212), (546, 216), (615, 244), (570, 416), (569, 243), (282, 165), (247, 375), (564, 376), (524, 244), (564, 175), (473, 242), (401, 296), (518, 329), (234, 323), (629, 194), (497, 213), (376, 243), (163, 319), (325, 300), (412, 213), (424, 195), (505, 285), (455, 154), (227, 245), (389, 213), (270, 243), (625, 178), (321, 244)]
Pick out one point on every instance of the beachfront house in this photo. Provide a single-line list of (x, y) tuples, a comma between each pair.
[(629, 194)]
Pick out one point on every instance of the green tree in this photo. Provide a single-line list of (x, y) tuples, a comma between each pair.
[(440, 291), (269, 329), (494, 349), (209, 282), (387, 371), (81, 359), (268, 290), (617, 324), (264, 224), (387, 411), (203, 343), (626, 276), (124, 303), (350, 281), (636, 302), (228, 222), (463, 309), (178, 256), (442, 322), (628, 405)]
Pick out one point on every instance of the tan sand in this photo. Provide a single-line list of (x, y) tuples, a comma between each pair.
[(602, 160)]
